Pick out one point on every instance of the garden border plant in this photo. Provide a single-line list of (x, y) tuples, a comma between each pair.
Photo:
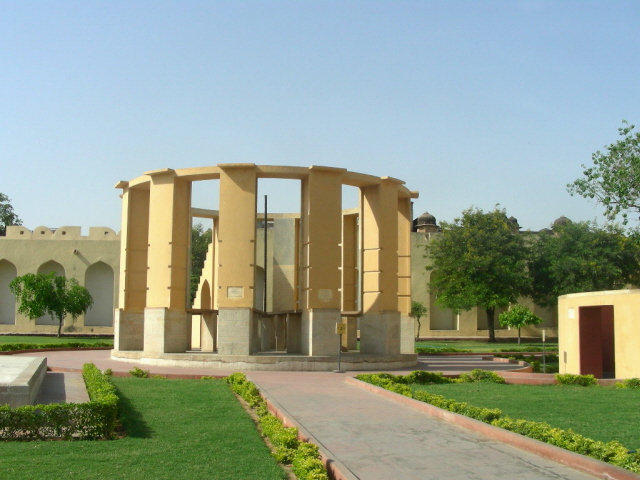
[(303, 457), (10, 347), (92, 420), (612, 452)]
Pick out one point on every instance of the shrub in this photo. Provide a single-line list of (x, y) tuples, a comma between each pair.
[(571, 379), (139, 373), (426, 378), (535, 366), (307, 465), (479, 375), (629, 383)]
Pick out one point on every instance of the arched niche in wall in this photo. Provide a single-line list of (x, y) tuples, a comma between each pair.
[(7, 301), (99, 280), (205, 295), (45, 268), (440, 318)]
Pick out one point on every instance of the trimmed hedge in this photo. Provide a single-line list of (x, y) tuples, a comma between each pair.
[(611, 452), (10, 347), (629, 383), (479, 375), (93, 420), (486, 415), (435, 350), (302, 456), (581, 380)]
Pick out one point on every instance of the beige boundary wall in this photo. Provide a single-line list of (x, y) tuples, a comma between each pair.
[(282, 277), (599, 333), (93, 260), (442, 323), (153, 314)]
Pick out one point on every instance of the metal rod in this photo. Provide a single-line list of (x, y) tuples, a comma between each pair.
[(264, 302), (544, 356)]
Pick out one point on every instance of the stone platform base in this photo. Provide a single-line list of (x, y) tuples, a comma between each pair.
[(271, 361), (21, 379)]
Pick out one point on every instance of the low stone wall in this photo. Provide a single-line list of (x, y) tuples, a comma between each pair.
[(266, 362)]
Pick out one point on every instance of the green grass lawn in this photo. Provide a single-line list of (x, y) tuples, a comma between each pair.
[(176, 429), (7, 339), (476, 346), (600, 413)]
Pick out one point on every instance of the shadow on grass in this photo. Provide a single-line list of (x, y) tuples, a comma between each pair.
[(132, 422)]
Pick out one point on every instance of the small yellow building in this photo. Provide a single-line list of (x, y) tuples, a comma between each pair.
[(599, 333)]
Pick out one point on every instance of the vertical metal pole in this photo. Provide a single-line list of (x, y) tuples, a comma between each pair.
[(544, 356), (339, 352), (264, 299)]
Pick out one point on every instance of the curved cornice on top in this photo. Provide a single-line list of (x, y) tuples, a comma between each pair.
[(195, 174)]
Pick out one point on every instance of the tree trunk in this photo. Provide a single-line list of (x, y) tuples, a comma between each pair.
[(59, 327), (418, 334), (490, 324), (518, 335)]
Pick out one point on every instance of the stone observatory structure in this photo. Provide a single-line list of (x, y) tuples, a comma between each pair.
[(329, 266)]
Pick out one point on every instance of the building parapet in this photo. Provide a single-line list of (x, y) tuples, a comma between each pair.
[(63, 233)]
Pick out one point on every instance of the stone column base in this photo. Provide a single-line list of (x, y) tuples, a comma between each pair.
[(407, 334), (380, 333), (350, 340), (294, 326), (236, 331), (128, 330), (318, 331), (209, 332), (166, 331)]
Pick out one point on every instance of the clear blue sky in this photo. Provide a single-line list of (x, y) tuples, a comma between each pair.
[(469, 102)]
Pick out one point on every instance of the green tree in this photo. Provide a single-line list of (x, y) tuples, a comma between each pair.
[(58, 296), (582, 257), (7, 215), (479, 262), (518, 317), (200, 240), (614, 178), (418, 310)]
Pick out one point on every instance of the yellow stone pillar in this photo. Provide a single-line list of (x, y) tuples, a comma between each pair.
[(237, 329), (350, 251), (350, 278), (407, 328), (166, 323), (380, 322), (132, 294), (321, 259)]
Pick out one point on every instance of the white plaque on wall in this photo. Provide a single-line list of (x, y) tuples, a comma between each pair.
[(235, 292), (325, 294), (571, 314)]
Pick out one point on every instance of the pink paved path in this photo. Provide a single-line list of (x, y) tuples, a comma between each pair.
[(370, 437)]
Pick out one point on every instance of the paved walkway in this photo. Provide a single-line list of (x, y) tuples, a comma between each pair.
[(370, 437)]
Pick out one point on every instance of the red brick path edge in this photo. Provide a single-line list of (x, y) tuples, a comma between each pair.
[(574, 460)]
